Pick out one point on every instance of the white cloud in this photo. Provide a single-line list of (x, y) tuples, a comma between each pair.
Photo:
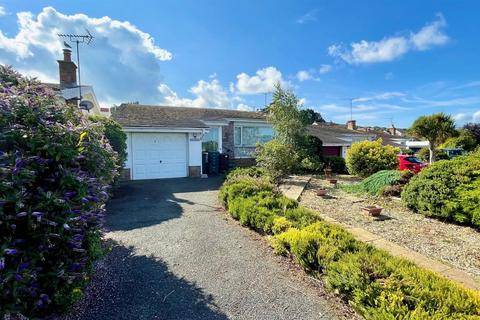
[(207, 95), (310, 16), (2, 11), (460, 116), (244, 107), (325, 68), (122, 63), (302, 101), (263, 81), (303, 75), (476, 116), (381, 96), (431, 35), (391, 48)]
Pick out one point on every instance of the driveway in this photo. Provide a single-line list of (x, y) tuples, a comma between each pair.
[(175, 255)]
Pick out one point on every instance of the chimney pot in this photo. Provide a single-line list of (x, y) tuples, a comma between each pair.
[(352, 124), (67, 55), (67, 70)]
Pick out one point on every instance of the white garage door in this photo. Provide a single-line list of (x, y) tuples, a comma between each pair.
[(159, 155)]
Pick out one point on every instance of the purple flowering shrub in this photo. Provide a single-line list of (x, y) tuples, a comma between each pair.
[(55, 171)]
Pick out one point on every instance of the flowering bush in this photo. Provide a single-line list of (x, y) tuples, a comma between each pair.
[(55, 172)]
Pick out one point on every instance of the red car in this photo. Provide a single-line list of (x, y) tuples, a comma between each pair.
[(407, 162)]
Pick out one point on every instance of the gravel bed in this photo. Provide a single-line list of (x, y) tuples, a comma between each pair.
[(456, 245)]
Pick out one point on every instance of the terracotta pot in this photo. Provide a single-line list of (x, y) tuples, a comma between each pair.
[(373, 210), (322, 192), (328, 172), (332, 181)]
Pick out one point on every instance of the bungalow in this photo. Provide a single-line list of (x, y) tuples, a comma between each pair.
[(336, 139), (168, 142)]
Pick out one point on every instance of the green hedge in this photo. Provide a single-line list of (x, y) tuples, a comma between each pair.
[(449, 190), (376, 284)]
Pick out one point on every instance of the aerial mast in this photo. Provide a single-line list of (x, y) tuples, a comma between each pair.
[(78, 39)]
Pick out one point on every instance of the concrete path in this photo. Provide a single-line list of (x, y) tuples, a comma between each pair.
[(293, 186), (177, 256)]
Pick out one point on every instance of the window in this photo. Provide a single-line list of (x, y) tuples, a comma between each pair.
[(249, 136), (238, 136), (210, 140)]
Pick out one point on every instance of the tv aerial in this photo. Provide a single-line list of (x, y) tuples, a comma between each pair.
[(78, 39)]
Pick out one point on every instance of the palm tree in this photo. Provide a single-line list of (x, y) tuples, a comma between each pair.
[(435, 128)]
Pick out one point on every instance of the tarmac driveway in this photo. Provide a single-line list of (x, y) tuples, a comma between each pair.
[(176, 256)]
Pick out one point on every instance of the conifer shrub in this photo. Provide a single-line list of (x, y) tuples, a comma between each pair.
[(447, 190)]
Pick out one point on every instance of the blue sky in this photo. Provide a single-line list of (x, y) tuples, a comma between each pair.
[(397, 59)]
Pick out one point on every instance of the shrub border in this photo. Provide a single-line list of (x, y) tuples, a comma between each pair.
[(331, 252)]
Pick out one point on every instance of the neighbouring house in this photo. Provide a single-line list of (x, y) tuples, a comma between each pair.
[(68, 87), (336, 139), (168, 142)]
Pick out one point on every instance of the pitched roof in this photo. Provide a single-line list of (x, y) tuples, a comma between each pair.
[(136, 115), (336, 134)]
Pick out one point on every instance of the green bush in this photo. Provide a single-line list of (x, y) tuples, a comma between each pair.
[(376, 183), (337, 164), (364, 158), (253, 172), (277, 158), (376, 284), (116, 137), (465, 140), (242, 188), (424, 154), (311, 164), (380, 286), (447, 190), (56, 169)]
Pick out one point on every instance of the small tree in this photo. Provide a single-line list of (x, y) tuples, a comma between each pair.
[(435, 128), (310, 116), (474, 129), (285, 117)]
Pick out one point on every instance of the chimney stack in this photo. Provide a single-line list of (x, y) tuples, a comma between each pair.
[(352, 124), (67, 70)]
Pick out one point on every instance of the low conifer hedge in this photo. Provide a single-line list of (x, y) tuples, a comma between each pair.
[(376, 284)]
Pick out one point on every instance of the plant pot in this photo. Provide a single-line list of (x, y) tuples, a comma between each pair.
[(374, 211), (322, 192), (328, 172), (333, 181)]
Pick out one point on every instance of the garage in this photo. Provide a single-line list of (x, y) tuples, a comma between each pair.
[(159, 155)]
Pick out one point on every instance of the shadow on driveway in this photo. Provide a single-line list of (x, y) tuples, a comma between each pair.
[(138, 204), (130, 286)]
